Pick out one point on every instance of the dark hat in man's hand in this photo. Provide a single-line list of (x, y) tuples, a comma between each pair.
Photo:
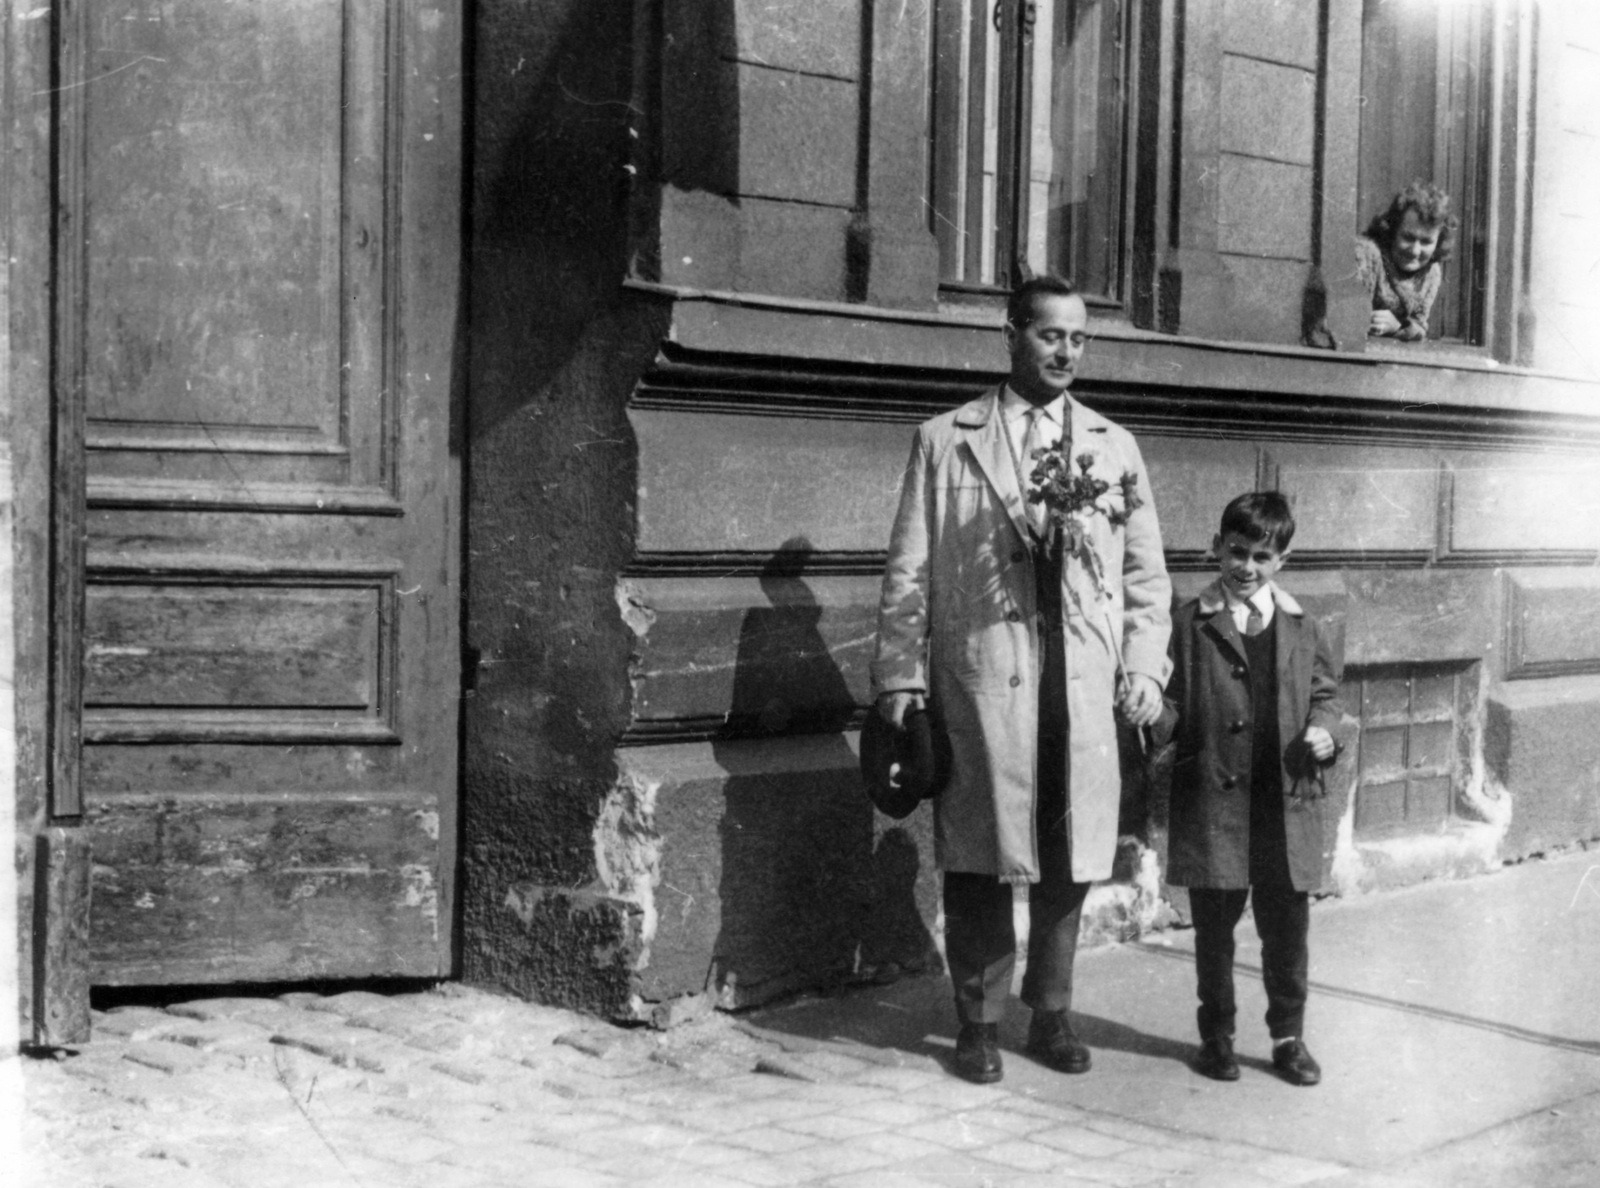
[(903, 767)]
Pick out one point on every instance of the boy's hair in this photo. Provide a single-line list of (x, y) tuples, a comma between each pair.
[(1260, 516), (1432, 205), (1020, 305)]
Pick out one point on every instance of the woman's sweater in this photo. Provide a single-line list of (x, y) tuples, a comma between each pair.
[(1408, 298)]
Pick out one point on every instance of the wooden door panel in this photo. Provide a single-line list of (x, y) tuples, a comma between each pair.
[(231, 160), (254, 271)]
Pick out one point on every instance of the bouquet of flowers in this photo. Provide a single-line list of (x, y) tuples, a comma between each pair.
[(1071, 499)]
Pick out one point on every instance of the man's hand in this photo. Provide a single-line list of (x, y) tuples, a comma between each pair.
[(893, 707), (1141, 700), (1383, 323), (1320, 742)]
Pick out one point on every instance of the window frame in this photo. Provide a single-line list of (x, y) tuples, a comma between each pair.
[(950, 106)]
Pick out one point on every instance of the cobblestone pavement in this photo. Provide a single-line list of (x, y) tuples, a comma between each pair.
[(458, 1088)]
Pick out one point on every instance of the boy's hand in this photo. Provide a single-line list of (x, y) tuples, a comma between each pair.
[(1320, 742), (893, 707), (1141, 700)]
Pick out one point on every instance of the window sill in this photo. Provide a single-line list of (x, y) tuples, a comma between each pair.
[(962, 337)]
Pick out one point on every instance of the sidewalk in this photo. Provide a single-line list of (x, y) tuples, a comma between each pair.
[(1457, 1026)]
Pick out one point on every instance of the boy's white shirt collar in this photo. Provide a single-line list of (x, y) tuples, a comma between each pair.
[(1216, 597), (1239, 608)]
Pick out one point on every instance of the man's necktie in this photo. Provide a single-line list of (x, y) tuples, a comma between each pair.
[(1254, 624), (1032, 440)]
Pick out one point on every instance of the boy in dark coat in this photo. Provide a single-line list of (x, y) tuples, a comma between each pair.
[(1255, 687)]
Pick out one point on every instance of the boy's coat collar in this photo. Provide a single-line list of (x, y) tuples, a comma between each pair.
[(1212, 599)]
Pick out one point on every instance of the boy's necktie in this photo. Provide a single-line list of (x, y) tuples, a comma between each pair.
[(1254, 624)]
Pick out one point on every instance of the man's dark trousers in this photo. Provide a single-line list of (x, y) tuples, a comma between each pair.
[(980, 937)]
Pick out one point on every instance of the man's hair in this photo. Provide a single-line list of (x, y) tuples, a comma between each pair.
[(1260, 516), (1020, 306), (1432, 205)]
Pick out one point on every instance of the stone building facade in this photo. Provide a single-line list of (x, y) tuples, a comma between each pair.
[(609, 324)]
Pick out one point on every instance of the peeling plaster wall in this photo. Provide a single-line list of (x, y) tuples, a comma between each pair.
[(550, 904)]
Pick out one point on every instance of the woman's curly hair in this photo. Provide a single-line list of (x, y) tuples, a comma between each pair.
[(1432, 205)]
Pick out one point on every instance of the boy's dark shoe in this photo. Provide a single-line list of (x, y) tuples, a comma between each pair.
[(1216, 1059), (1295, 1065), (1051, 1040), (978, 1053)]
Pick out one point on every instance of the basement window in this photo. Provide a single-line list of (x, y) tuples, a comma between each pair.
[(1411, 756)]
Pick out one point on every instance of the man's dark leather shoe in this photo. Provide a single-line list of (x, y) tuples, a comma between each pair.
[(978, 1053), (1216, 1059), (1295, 1065), (1051, 1040)]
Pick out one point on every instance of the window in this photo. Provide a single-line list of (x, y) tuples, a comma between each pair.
[(1425, 71), (1410, 756), (1030, 141)]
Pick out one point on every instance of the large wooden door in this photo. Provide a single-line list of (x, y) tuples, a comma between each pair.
[(258, 235)]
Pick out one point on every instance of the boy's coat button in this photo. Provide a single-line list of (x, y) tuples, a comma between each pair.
[(1229, 784), (1235, 727), (1239, 672)]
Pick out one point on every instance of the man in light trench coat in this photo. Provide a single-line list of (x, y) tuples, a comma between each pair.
[(1015, 648)]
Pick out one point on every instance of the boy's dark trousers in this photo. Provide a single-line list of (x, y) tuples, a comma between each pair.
[(980, 940), (1283, 915)]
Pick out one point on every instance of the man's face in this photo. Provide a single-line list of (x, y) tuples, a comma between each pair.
[(1245, 565), (1045, 352)]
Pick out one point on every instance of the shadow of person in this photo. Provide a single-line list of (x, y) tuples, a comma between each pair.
[(807, 900)]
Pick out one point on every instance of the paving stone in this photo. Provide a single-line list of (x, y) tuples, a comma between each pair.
[(1170, 1159), (838, 1158), (770, 1140), (898, 1146), (900, 1080), (130, 1023), (1292, 1169), (1025, 1156), (893, 1112), (1080, 1141), (165, 1057), (832, 1126), (768, 1174), (692, 1178), (958, 1135), (956, 1095)]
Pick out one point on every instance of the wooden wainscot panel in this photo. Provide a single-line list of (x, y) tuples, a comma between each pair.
[(1551, 625), (203, 661), (783, 652), (1357, 505), (240, 890), (714, 482), (1506, 507)]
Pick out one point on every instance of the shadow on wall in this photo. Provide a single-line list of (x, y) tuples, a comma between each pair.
[(815, 888)]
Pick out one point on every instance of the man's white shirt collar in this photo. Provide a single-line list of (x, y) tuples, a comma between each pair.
[(1014, 407)]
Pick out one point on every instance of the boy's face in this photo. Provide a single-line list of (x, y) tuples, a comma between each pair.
[(1246, 565)]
